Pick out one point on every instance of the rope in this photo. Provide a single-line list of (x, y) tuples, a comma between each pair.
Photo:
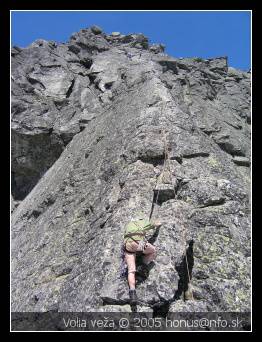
[(166, 159)]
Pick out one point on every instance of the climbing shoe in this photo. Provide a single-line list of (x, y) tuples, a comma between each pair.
[(189, 292), (133, 297)]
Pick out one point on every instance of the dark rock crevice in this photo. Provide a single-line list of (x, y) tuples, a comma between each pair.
[(179, 159), (70, 89), (154, 160), (195, 155), (183, 269), (92, 77), (86, 62), (230, 148), (112, 301), (164, 194), (180, 183), (28, 168), (34, 81), (161, 309)]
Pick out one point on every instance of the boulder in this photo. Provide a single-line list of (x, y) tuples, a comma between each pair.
[(241, 161), (115, 34), (96, 29), (157, 48)]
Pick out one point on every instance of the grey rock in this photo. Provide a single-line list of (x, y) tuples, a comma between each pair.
[(74, 48), (157, 48), (201, 192), (96, 29), (40, 43), (237, 74), (115, 34), (168, 63), (232, 144), (136, 40), (115, 308), (89, 41), (15, 50), (241, 161), (188, 306), (218, 64), (14, 204), (90, 132)]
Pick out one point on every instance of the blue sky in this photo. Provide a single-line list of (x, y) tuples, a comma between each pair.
[(204, 34)]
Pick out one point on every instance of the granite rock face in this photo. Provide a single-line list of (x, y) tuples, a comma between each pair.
[(92, 121)]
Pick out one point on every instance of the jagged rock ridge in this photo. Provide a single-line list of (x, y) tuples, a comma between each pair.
[(89, 121)]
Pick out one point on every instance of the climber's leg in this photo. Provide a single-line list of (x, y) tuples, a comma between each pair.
[(149, 253), (131, 264), (131, 278), (130, 257)]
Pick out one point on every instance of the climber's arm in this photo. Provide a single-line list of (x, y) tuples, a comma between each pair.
[(156, 223)]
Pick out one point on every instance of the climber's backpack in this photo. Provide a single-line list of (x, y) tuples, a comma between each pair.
[(136, 230)]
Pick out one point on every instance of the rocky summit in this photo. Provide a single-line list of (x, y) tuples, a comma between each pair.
[(102, 124)]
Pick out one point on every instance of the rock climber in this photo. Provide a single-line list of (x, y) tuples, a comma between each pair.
[(135, 241)]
